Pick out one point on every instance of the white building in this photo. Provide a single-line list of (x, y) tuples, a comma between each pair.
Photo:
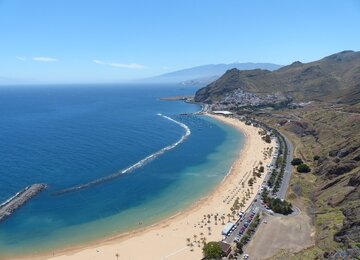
[(225, 113)]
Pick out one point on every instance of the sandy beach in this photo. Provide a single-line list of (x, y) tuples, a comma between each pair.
[(182, 236)]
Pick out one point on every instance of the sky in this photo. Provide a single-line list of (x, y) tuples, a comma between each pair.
[(93, 41)]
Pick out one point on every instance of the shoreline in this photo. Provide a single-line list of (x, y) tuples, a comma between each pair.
[(171, 233)]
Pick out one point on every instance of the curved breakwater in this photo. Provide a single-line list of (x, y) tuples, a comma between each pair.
[(135, 165)]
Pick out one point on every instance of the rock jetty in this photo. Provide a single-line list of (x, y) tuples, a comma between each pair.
[(8, 207)]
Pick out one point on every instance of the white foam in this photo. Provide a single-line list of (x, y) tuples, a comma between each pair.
[(7, 201), (137, 164)]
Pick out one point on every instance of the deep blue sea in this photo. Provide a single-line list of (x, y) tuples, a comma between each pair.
[(78, 136)]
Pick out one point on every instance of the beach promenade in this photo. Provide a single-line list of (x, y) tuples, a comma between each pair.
[(182, 236)]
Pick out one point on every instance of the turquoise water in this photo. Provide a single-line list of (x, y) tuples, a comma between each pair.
[(75, 136)]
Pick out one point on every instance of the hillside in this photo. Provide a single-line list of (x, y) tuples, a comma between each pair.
[(326, 136), (203, 75), (331, 192), (333, 78)]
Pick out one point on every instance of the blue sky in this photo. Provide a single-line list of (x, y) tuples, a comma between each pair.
[(107, 41)]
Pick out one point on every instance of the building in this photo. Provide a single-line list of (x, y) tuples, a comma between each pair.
[(227, 228), (225, 248), (225, 113)]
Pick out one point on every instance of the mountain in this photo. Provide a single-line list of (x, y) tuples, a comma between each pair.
[(202, 75), (325, 132), (336, 78)]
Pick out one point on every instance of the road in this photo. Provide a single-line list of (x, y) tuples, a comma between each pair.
[(287, 172), (251, 211)]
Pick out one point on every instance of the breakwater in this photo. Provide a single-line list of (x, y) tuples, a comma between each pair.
[(9, 206), (135, 165)]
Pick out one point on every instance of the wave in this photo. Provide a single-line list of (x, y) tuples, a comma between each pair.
[(10, 199), (135, 165)]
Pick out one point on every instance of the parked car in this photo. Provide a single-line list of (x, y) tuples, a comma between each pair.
[(237, 239)]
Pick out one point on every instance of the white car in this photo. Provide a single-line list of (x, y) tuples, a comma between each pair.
[(246, 256)]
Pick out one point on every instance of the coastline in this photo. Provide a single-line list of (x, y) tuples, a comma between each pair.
[(172, 232)]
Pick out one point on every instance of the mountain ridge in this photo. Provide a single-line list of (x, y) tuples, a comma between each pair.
[(205, 74), (330, 78)]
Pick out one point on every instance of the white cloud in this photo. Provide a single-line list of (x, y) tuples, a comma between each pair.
[(120, 65), (44, 59), (21, 58), (99, 62)]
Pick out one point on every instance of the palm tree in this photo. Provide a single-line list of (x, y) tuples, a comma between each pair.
[(209, 229), (195, 236), (191, 247), (201, 234), (223, 218), (117, 256), (242, 205), (188, 241), (229, 215), (204, 240)]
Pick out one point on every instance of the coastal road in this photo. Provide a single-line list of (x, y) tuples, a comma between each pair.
[(256, 205), (288, 168)]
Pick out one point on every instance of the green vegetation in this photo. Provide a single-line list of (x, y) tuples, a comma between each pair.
[(277, 205), (277, 174), (303, 168), (296, 161), (212, 250)]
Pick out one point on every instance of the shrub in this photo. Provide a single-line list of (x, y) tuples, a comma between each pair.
[(212, 250), (267, 138), (316, 157), (296, 161), (275, 204), (279, 206), (303, 168)]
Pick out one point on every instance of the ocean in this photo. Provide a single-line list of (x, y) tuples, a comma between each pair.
[(114, 157)]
